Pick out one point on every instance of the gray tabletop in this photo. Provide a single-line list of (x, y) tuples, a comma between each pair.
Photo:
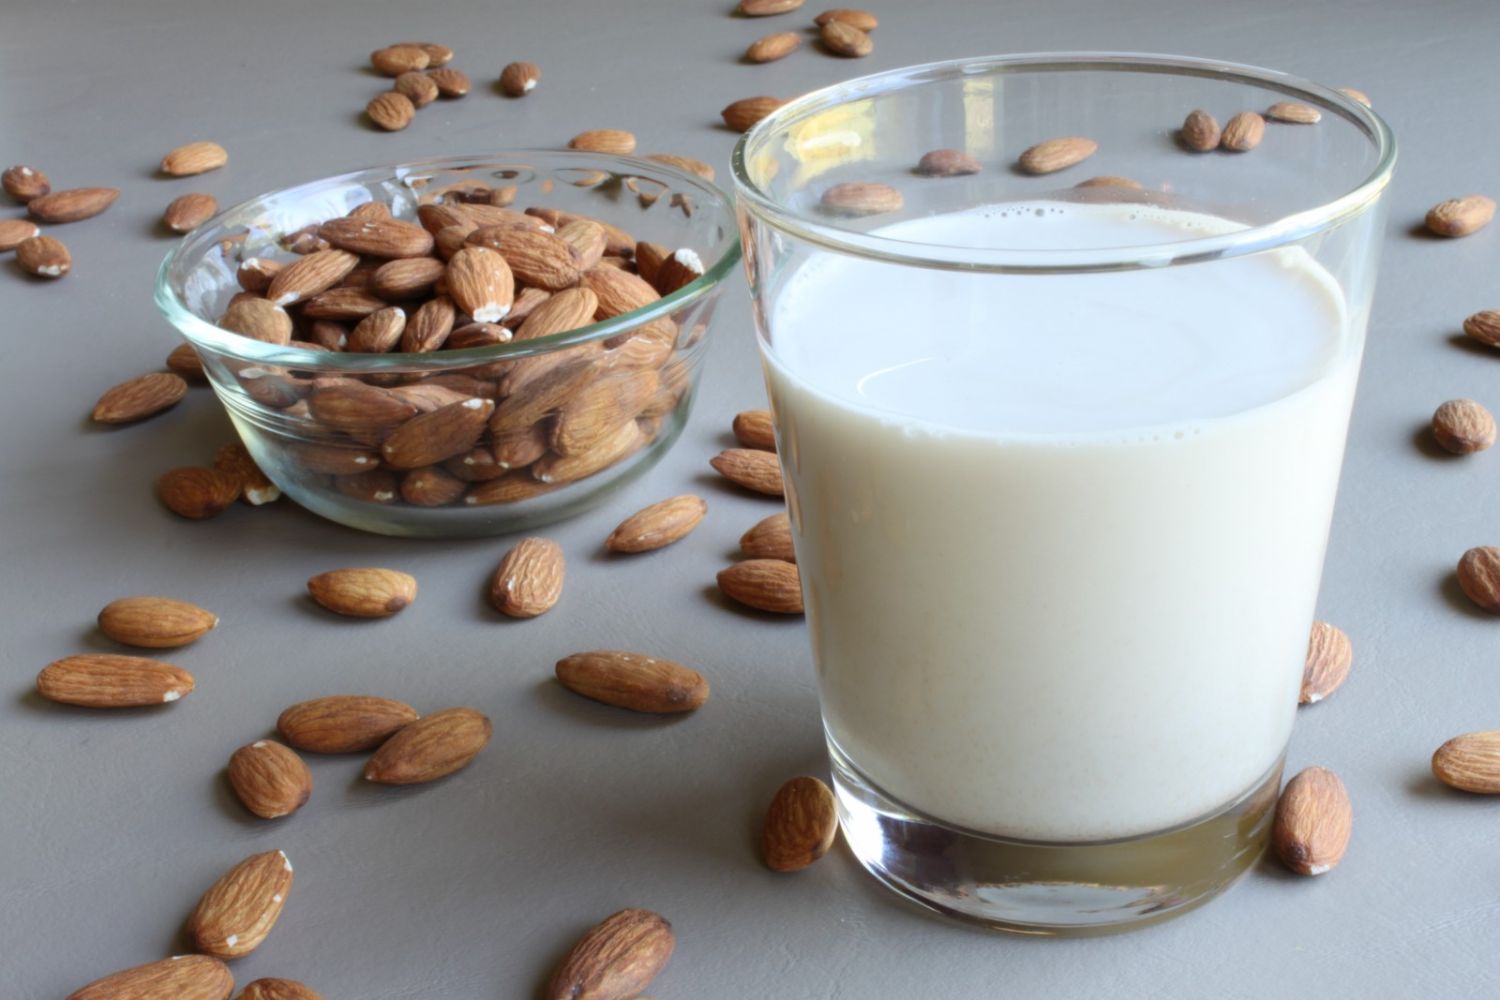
[(111, 825)]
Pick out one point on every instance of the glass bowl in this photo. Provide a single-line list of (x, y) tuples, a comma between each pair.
[(463, 440)]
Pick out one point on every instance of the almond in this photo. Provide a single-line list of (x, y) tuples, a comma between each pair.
[(1313, 818), (184, 362), (557, 376), (947, 163), (1484, 326), (313, 274), (256, 487), (1457, 216), (613, 141), (385, 238), (197, 494), (367, 592), (24, 183), (392, 111), (14, 232), (255, 274), (450, 82), (587, 239), (658, 525), (1479, 576), (557, 470), (259, 319), (378, 332), (407, 278), (687, 163), (394, 60), (853, 199), (108, 680), (189, 211), (516, 449), (800, 825), (430, 748), (479, 335), (377, 486), (764, 584), (437, 55), (751, 468), (1057, 154), (182, 977), (861, 19), (1294, 113), (417, 87), (772, 47), (1111, 181), (428, 438), (269, 779), (519, 78), (138, 398), (529, 579), (634, 681), (1243, 132), (481, 284), (680, 269), (512, 488), (770, 538), (1470, 763), (618, 292), (1200, 131), (345, 723), (743, 114), (278, 989), (618, 958), (332, 459), (1329, 656), (597, 410), (364, 411), (431, 487), (72, 205), (430, 326), (194, 158), (155, 622), (844, 39), (238, 911), (754, 429), (1356, 95), (44, 257), (342, 304), (535, 258), (1463, 426)]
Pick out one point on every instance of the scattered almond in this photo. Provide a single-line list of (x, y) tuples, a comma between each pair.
[(14, 232), (1311, 828), (604, 140), (430, 748), (194, 158), (861, 19), (764, 584), (72, 205), (773, 47), (658, 525), (184, 362), (278, 989), (1243, 132), (392, 111), (1057, 154), (109, 680), (1463, 426), (751, 468), (853, 199), (529, 579), (417, 87), (269, 779), (754, 429), (1470, 763), (367, 592), (520, 78), (1200, 131), (1484, 326), (947, 163), (1111, 181), (1356, 95), (397, 59), (189, 211), (1479, 576), (743, 114), (1294, 113), (44, 257), (634, 681), (766, 8), (343, 723), (437, 55), (155, 622), (197, 494), (619, 957), (800, 825), (450, 82), (687, 163), (24, 183), (844, 39), (238, 911), (1329, 656), (182, 977), (770, 538), (1461, 216)]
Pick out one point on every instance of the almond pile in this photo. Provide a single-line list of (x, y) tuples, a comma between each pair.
[(420, 75), (39, 255), (841, 32), (768, 580)]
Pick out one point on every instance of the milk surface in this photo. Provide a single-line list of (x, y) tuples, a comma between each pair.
[(1061, 535)]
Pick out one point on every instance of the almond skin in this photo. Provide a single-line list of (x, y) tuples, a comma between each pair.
[(614, 141), (269, 779), (189, 211), (343, 723), (844, 39), (1310, 831), (1200, 131), (754, 429), (529, 579), (1293, 113), (391, 111), (947, 163), (519, 78), (658, 525), (1479, 576), (1329, 656), (367, 592), (141, 397), (155, 622), (14, 232), (764, 584), (617, 959), (238, 911), (1463, 426), (1057, 154), (432, 747), (751, 468), (801, 825), (633, 680), (743, 114), (278, 989), (24, 183), (1470, 763), (1243, 132), (854, 199), (770, 538), (197, 494), (1460, 216), (1484, 326), (194, 158), (44, 257), (773, 47), (72, 205), (184, 977), (105, 680)]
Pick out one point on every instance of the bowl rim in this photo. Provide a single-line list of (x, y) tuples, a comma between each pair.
[(201, 332)]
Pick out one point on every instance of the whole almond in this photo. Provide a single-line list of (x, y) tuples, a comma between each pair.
[(386, 238), (184, 362), (278, 989), (197, 494), (429, 438), (450, 82), (407, 278), (1243, 132), (478, 335), (431, 487), (947, 163), (437, 55), (604, 140), (392, 111), (519, 78), (1329, 656), (529, 579), (754, 429), (258, 319), (1459, 216), (334, 460), (44, 257), (764, 584), (743, 114), (773, 47), (1484, 326), (238, 911), (256, 487), (481, 284), (255, 273), (1310, 831), (557, 377), (1356, 95), (417, 87), (14, 232), (376, 486), (800, 825), (394, 60), (109, 680), (853, 199), (155, 622), (1057, 154), (844, 39), (1293, 113), (1111, 181), (72, 205), (1200, 131), (1463, 426), (770, 538), (861, 19), (618, 292), (378, 332), (138, 398), (1470, 763), (194, 158), (535, 258), (618, 958), (597, 410), (310, 275), (751, 468), (343, 723), (658, 525), (510, 450), (342, 304), (1479, 576), (24, 183), (678, 270), (364, 411), (766, 8), (182, 977), (511, 488), (430, 326), (432, 747), (269, 779), (557, 470), (587, 239), (687, 163), (634, 681), (189, 211), (365, 592)]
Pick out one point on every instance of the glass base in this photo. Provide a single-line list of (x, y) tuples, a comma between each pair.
[(1068, 889)]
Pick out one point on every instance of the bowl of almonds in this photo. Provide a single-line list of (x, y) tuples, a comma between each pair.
[(460, 346)]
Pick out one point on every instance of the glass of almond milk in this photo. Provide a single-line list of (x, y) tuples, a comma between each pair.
[(1061, 459)]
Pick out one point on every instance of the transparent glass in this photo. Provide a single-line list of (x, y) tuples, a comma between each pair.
[(265, 387), (1061, 459)]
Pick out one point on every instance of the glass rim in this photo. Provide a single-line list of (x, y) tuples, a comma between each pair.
[(202, 332), (1285, 230)]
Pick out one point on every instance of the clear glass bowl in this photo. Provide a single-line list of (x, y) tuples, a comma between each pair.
[(266, 388)]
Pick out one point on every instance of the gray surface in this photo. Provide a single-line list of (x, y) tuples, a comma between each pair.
[(111, 825)]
